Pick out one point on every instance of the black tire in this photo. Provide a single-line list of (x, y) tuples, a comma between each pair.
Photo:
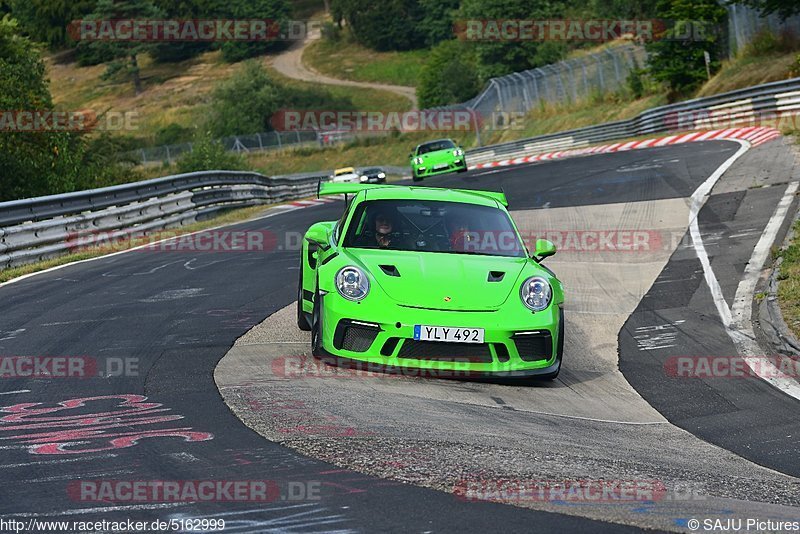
[(316, 327), (302, 319), (463, 169), (559, 349)]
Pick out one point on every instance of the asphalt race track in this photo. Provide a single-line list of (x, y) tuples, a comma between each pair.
[(391, 449)]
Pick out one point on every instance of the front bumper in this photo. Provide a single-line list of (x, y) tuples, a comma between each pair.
[(516, 343), (428, 170)]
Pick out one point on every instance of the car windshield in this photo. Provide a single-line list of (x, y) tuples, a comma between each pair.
[(433, 226), (372, 171), (433, 146)]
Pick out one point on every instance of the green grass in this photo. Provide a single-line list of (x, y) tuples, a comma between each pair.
[(789, 283), (349, 60)]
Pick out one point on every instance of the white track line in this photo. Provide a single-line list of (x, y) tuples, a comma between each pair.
[(741, 329), (737, 321), (14, 392)]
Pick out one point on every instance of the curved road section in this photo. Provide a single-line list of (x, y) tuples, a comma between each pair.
[(123, 352)]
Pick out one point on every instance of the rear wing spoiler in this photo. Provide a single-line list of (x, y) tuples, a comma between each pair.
[(330, 188)]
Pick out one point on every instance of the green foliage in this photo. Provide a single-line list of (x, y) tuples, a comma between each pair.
[(170, 52), (43, 163), (245, 104), (449, 76), (172, 134), (121, 56), (794, 70), (497, 58), (47, 21), (438, 18), (208, 154), (765, 43), (679, 62), (277, 11), (382, 26)]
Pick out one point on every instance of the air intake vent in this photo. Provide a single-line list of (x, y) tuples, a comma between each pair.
[(390, 270), (496, 276)]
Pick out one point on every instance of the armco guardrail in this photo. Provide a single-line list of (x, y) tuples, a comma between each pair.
[(736, 108), (40, 228), (45, 227)]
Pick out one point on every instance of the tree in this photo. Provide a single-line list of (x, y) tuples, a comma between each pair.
[(276, 11), (438, 17), (449, 76), (383, 26), (676, 57), (500, 57), (122, 55), (244, 103), (784, 8), (31, 163), (47, 21)]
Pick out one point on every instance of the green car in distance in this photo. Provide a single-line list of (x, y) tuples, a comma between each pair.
[(429, 280), (437, 157)]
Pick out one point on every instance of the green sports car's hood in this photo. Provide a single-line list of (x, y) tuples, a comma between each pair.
[(442, 281), (439, 156)]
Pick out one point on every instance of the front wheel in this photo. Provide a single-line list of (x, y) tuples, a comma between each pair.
[(416, 178)]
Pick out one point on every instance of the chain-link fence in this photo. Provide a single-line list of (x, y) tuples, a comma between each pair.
[(559, 83), (240, 143), (744, 23)]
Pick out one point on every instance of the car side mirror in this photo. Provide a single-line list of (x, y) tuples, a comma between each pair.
[(544, 248), (318, 235)]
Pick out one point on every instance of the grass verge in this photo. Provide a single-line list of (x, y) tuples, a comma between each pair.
[(789, 286)]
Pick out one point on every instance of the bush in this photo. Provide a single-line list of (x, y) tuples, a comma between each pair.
[(449, 76), (208, 154), (172, 134), (765, 43), (794, 70), (246, 103), (382, 26), (680, 63)]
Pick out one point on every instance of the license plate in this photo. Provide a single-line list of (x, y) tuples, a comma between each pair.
[(448, 333), (440, 166)]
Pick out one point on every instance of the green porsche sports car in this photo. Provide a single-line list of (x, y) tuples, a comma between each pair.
[(438, 280), (436, 157)]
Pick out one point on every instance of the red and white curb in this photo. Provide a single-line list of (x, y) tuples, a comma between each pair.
[(755, 135)]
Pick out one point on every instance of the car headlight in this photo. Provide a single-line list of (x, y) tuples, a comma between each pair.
[(418, 161), (458, 152), (352, 283), (364, 178), (381, 175), (536, 293)]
